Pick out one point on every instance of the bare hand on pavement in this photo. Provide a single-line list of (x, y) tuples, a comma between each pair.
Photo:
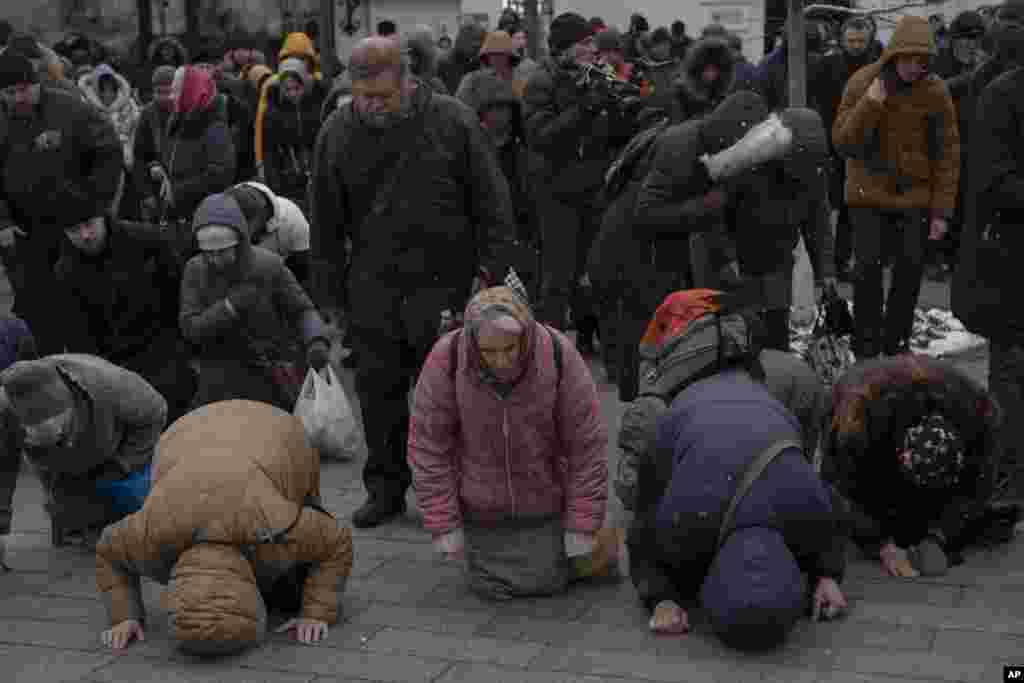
[(829, 601), (306, 631), (895, 562), (669, 618), (120, 636)]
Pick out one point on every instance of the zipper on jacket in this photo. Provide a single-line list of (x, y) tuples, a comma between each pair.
[(508, 458)]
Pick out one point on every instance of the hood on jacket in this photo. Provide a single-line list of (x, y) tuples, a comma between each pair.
[(702, 53), (274, 221), (421, 50), (223, 210), (296, 66), (182, 56), (90, 85), (913, 36), (197, 90), (299, 45), (468, 42), (505, 309), (731, 120)]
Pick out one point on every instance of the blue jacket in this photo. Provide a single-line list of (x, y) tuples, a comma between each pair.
[(712, 431)]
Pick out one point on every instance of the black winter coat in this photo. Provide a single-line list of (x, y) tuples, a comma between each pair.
[(126, 297), (199, 157), (67, 151), (874, 404), (289, 134), (992, 246), (429, 225)]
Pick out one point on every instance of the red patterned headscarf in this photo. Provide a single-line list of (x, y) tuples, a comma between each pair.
[(197, 90), (676, 312)]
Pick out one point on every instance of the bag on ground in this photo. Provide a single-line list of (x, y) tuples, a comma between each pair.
[(327, 416)]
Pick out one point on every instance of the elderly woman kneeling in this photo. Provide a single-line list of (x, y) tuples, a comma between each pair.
[(508, 452), (234, 519)]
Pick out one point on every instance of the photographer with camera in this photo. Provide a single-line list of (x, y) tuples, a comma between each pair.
[(571, 113)]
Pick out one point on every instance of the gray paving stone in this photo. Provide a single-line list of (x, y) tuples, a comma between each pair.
[(939, 617), (526, 628), (42, 608), (962, 667), (473, 649), (435, 619), (21, 583), (138, 670), (67, 636), (988, 645), (781, 675), (373, 666), (892, 591), (664, 667), (863, 634), (399, 591), (474, 673), (1006, 600), (47, 665)]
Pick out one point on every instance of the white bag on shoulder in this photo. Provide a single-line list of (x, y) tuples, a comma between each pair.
[(327, 416)]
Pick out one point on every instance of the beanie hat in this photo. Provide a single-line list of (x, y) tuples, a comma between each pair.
[(163, 75), (15, 69), (37, 390), (609, 39), (25, 45), (932, 456), (967, 24), (754, 592), (660, 35), (221, 210), (566, 30)]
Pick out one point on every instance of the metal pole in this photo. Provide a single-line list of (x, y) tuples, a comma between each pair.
[(328, 34), (796, 58), (532, 18)]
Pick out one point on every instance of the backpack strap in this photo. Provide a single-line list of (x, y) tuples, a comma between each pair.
[(754, 469)]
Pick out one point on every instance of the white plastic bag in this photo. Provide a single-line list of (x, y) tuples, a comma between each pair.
[(327, 416)]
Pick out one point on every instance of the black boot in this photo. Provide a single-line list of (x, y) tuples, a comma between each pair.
[(376, 511)]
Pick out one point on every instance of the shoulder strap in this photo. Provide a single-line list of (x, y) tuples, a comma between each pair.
[(750, 475)]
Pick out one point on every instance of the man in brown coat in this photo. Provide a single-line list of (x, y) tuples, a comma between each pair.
[(897, 129), (234, 517)]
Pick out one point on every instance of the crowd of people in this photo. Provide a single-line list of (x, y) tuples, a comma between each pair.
[(174, 260)]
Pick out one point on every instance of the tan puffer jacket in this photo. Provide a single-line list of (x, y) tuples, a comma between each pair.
[(896, 134), (225, 476)]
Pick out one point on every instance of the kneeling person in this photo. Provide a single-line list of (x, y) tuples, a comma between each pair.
[(234, 519), (703, 530)]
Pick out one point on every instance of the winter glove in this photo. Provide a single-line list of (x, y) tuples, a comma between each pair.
[(318, 354), (245, 298), (157, 174), (452, 545), (7, 236), (669, 618), (829, 601), (714, 199), (729, 277)]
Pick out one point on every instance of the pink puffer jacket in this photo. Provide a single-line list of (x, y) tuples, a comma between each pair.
[(531, 454)]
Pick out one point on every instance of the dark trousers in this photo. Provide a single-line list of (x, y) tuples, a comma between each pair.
[(38, 299), (165, 366), (567, 231), (844, 238), (1006, 381), (389, 361), (889, 331), (776, 329)]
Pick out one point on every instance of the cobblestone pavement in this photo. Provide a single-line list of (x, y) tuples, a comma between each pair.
[(408, 617)]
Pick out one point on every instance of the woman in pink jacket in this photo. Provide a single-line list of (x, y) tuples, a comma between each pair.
[(508, 452)]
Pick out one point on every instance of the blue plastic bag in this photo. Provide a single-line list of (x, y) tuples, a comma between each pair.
[(127, 494)]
